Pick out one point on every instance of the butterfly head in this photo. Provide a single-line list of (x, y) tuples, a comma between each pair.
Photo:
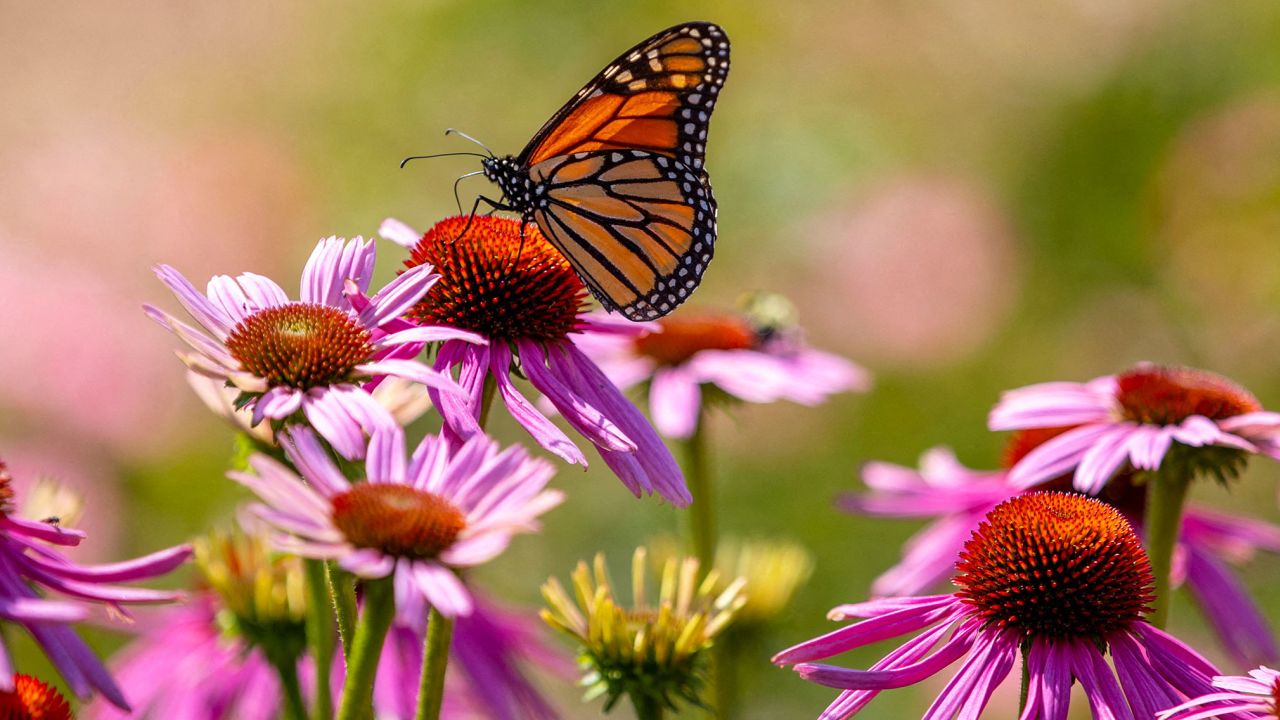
[(514, 182)]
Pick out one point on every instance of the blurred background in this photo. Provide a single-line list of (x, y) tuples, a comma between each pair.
[(962, 195)]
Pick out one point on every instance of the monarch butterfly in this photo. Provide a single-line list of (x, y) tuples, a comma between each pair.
[(615, 179)]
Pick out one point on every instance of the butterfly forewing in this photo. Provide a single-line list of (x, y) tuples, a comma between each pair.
[(638, 227), (657, 96), (615, 179)]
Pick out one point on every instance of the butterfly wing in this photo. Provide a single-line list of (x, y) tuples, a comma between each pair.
[(657, 97), (639, 227)]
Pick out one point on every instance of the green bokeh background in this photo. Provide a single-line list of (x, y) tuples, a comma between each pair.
[(1082, 123)]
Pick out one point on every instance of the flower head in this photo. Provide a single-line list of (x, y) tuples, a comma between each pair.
[(958, 498), (262, 594), (504, 282), (654, 654), (1061, 578), (1143, 418), (32, 699), (308, 358), (773, 570), (30, 566), (756, 356), (1256, 696), (418, 518)]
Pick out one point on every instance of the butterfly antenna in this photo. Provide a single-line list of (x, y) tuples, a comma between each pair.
[(455, 131), (437, 155), (457, 199)]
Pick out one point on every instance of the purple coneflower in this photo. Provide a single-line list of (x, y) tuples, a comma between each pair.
[(28, 563), (1059, 577), (309, 356), (417, 518), (519, 293), (1138, 417), (750, 360), (1256, 696), (959, 498)]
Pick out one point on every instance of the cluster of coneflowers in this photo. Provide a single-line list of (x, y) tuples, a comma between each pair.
[(343, 589)]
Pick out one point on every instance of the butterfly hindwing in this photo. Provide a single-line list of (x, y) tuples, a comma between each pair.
[(657, 96), (639, 227)]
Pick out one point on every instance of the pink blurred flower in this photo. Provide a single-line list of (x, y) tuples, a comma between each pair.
[(682, 353), (958, 498), (1090, 603), (307, 356), (1136, 419), (1256, 696), (185, 667), (419, 518), (937, 268), (492, 649), (28, 563), (520, 294)]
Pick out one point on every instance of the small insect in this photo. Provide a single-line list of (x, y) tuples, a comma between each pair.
[(615, 179), (53, 520)]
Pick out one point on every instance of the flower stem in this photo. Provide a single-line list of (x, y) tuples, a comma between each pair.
[(1166, 494), (287, 669), (647, 708), (435, 660), (702, 512), (342, 589), (1026, 680), (702, 531), (320, 635), (366, 648)]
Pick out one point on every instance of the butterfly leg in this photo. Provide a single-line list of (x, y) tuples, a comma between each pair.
[(525, 219), (471, 216)]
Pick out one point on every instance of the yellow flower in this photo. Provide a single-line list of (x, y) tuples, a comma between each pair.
[(262, 593), (652, 653), (773, 569)]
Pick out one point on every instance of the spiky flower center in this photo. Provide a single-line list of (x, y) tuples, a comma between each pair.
[(6, 490), (682, 337), (397, 519), (497, 283), (32, 699), (1169, 395), (1275, 697), (1056, 565), (301, 345)]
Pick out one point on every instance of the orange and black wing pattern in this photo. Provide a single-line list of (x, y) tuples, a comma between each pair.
[(618, 172), (656, 97), (639, 227)]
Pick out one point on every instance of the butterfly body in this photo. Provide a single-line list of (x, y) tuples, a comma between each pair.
[(615, 179)]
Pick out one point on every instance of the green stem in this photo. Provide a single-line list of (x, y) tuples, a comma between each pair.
[(702, 512), (724, 669), (342, 588), (702, 531), (1166, 494), (320, 635), (435, 660), (294, 707), (366, 649), (647, 708), (1026, 680), (435, 653)]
